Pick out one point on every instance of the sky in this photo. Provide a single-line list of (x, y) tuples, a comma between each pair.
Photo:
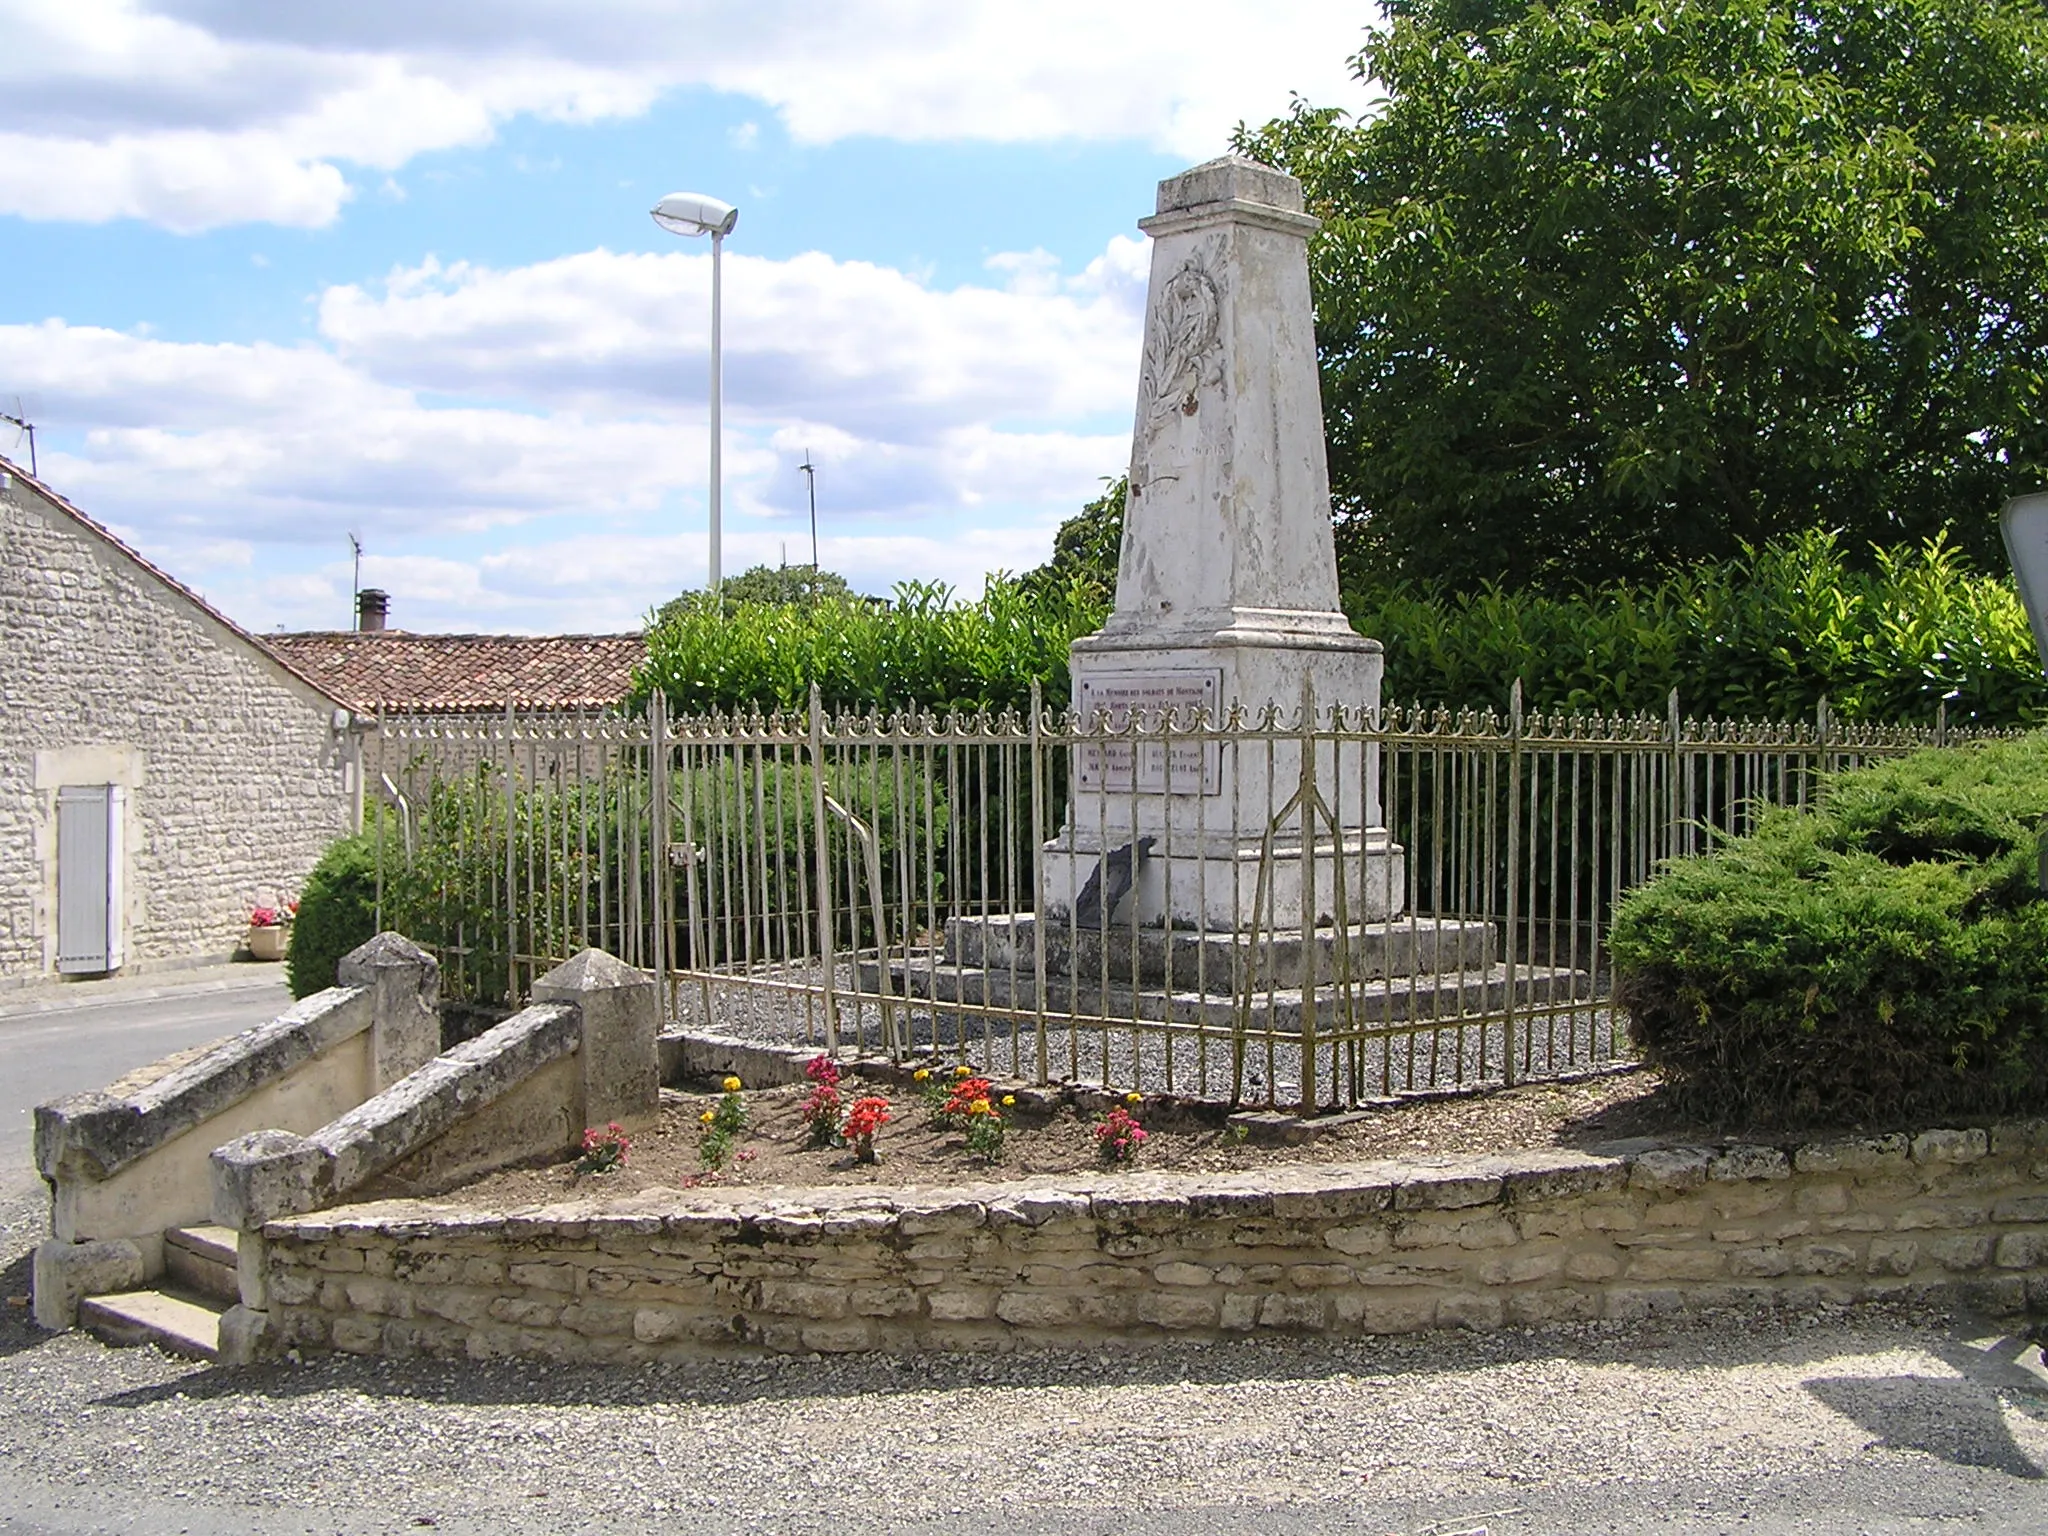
[(272, 275)]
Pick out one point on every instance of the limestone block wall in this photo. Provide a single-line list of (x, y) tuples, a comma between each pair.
[(236, 777), (1373, 1248)]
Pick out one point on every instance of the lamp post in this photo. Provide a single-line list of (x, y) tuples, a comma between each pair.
[(692, 213)]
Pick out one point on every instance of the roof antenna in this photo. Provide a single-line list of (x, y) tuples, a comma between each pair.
[(18, 419), (355, 596)]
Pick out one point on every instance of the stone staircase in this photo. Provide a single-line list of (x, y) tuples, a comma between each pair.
[(182, 1315)]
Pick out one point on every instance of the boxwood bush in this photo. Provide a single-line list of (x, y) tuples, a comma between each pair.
[(1881, 960), (337, 911)]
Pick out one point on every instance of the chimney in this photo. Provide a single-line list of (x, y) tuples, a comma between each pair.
[(371, 608)]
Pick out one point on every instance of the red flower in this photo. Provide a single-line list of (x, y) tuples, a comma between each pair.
[(867, 1116), (823, 1071)]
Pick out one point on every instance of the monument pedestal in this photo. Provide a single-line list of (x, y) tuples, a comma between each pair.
[(1208, 804)]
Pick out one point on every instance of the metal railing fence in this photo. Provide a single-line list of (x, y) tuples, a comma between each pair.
[(1325, 907)]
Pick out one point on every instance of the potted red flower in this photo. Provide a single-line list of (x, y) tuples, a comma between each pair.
[(270, 930)]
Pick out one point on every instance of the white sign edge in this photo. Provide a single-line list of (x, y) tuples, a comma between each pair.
[(2021, 517)]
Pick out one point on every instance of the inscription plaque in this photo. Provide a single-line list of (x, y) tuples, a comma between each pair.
[(1142, 766)]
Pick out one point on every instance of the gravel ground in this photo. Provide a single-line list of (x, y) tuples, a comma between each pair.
[(1199, 1065), (1881, 1422)]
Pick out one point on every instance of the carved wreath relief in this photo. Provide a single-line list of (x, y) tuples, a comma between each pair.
[(1183, 356)]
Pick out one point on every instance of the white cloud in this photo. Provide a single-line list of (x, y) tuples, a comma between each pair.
[(198, 113), (519, 447)]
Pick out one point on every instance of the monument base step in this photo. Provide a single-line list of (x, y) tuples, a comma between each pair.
[(1213, 961), (1379, 1001)]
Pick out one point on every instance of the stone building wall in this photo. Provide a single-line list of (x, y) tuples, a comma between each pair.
[(1376, 1248), (236, 777)]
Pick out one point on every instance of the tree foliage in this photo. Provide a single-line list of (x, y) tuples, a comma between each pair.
[(1087, 546), (1607, 287), (769, 586)]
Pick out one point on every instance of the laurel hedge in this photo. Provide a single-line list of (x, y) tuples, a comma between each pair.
[(1891, 638), (1880, 960)]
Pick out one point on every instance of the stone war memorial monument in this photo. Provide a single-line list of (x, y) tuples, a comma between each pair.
[(1223, 858), (1226, 594)]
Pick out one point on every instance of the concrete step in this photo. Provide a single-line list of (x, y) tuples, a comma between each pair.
[(1213, 962), (177, 1324), (204, 1260)]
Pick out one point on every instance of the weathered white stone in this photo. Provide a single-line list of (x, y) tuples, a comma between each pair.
[(1227, 584)]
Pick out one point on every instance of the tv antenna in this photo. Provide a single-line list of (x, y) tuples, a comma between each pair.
[(19, 420), (355, 596), (811, 481)]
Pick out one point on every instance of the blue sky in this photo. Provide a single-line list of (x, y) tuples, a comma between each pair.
[(274, 274)]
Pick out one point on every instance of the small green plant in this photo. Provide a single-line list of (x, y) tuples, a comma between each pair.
[(986, 1128), (604, 1149), (932, 1089), (723, 1125)]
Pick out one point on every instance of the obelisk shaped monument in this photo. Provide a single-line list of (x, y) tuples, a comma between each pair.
[(1226, 593)]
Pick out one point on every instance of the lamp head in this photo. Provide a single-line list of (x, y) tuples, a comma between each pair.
[(692, 213)]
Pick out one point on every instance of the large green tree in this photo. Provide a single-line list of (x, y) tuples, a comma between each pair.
[(1604, 288)]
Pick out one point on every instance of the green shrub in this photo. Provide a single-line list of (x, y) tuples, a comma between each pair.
[(337, 911), (923, 649), (1881, 960)]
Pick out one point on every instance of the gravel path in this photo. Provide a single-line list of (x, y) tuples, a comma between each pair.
[(1453, 1054), (1887, 1421)]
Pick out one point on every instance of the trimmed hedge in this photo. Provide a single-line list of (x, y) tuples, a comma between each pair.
[(337, 911), (1880, 960)]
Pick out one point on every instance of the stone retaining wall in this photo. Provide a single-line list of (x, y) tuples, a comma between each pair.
[(1370, 1248)]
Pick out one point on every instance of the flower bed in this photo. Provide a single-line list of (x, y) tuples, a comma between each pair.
[(922, 1145)]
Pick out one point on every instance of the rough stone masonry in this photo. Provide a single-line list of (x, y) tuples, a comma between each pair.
[(1374, 1248)]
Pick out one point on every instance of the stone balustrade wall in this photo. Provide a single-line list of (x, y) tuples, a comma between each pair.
[(1371, 1248)]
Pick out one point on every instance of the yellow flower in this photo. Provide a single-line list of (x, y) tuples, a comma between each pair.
[(921, 1074), (706, 1118), (963, 1071), (1134, 1098), (731, 1085), (980, 1107), (1009, 1099)]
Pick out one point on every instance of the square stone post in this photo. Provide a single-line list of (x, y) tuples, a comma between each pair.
[(621, 1019), (405, 983)]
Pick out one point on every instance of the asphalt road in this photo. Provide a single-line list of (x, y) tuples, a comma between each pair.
[(86, 1036)]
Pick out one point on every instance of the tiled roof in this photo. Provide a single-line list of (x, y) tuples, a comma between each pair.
[(394, 669)]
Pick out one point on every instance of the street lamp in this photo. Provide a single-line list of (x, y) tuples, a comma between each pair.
[(692, 213)]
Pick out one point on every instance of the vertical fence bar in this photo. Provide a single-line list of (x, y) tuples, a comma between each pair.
[(826, 938), (663, 880), (1514, 869)]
